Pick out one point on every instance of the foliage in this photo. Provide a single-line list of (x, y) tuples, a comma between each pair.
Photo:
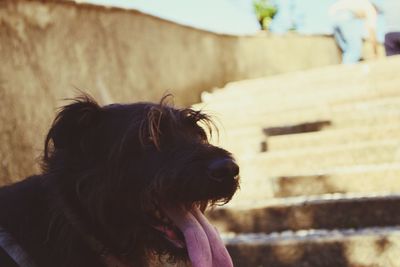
[(265, 12)]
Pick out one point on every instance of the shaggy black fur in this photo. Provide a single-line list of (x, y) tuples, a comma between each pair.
[(106, 171)]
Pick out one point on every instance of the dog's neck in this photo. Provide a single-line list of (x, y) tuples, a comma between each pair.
[(46, 232), (103, 252), (109, 259)]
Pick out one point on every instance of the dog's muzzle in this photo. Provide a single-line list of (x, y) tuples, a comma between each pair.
[(223, 169)]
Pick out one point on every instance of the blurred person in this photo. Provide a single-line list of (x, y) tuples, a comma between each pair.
[(349, 18), (391, 12), (310, 17)]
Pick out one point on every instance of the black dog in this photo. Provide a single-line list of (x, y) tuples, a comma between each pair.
[(121, 185)]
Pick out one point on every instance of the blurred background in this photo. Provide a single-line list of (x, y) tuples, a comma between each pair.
[(306, 95)]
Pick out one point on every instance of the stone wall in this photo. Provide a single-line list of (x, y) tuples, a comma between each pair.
[(50, 49)]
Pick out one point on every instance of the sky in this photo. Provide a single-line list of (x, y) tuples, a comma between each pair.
[(234, 17)]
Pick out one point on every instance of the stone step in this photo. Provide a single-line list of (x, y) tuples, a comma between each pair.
[(376, 178), (381, 107), (281, 100), (247, 136), (313, 79), (241, 141), (334, 137), (328, 212), (297, 128), (370, 247), (308, 81), (281, 104), (249, 140), (318, 159), (355, 81)]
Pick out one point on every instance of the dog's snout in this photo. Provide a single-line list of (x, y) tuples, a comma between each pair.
[(222, 169)]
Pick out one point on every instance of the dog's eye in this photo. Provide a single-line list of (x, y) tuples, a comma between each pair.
[(202, 134)]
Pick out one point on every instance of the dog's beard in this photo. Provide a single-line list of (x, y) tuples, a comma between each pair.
[(185, 213), (190, 229)]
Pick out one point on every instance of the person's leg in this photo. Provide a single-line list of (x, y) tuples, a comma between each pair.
[(348, 35), (392, 43), (339, 37), (353, 33)]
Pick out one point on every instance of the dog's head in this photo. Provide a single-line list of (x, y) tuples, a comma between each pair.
[(117, 167)]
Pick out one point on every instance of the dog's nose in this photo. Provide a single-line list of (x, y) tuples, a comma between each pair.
[(223, 169)]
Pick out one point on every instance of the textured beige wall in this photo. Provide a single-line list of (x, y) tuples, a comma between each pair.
[(47, 48)]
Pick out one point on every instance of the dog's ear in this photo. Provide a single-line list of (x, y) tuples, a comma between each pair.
[(72, 124)]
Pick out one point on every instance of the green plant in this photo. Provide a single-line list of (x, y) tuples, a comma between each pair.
[(265, 12)]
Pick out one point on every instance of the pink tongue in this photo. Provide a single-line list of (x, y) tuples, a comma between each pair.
[(205, 248), (220, 255), (197, 244)]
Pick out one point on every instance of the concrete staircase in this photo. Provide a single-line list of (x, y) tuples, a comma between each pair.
[(319, 153)]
